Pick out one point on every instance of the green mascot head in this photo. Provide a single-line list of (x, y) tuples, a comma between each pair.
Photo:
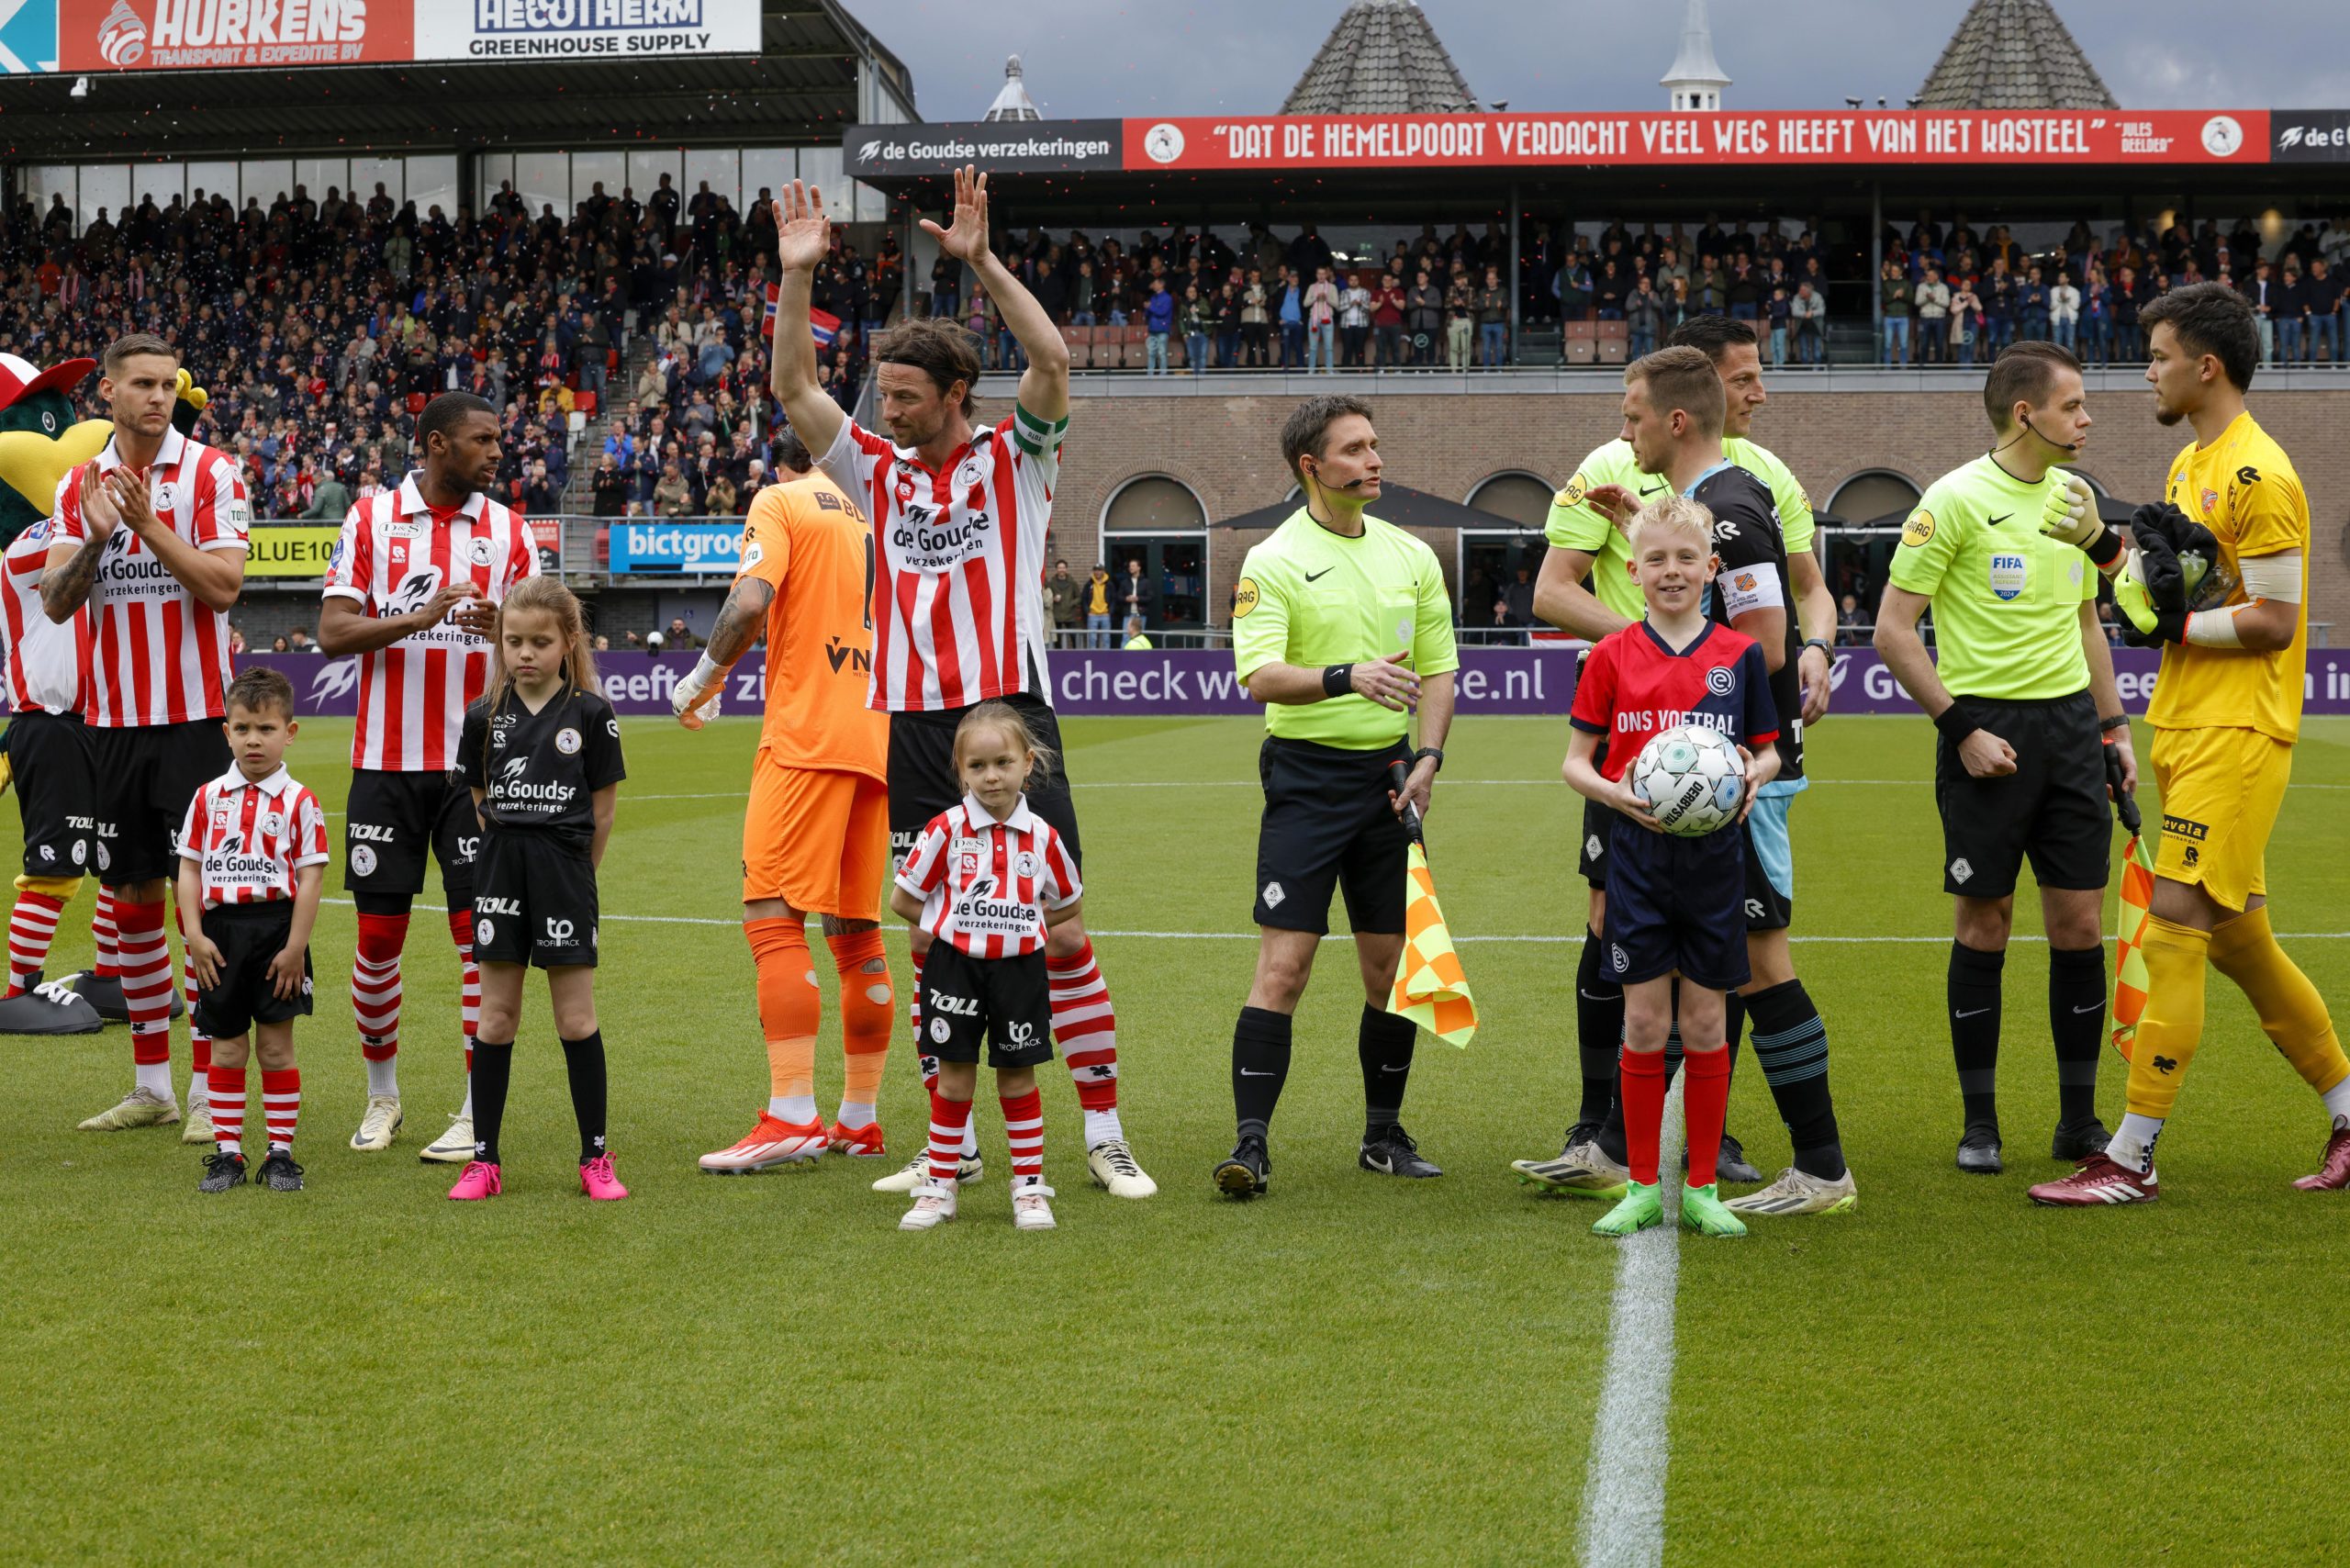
[(40, 440)]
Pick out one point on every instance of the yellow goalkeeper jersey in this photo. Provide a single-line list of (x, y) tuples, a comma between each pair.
[(2244, 489)]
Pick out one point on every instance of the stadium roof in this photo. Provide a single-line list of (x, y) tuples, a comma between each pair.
[(1383, 57), (2013, 54), (817, 68)]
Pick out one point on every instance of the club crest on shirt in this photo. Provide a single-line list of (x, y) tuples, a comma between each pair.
[(483, 551), (2211, 500), (566, 741)]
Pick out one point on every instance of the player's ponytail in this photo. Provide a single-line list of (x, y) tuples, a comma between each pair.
[(548, 597)]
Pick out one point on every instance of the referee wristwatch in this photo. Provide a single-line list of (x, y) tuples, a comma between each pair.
[(1427, 751), (1821, 643)]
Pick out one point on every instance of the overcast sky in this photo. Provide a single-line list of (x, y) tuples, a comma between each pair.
[(1112, 58)]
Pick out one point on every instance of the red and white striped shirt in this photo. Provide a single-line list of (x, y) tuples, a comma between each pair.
[(162, 652), (395, 552), (959, 608), (49, 661), (985, 885), (250, 837)]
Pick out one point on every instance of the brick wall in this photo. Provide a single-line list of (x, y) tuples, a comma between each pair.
[(1227, 450)]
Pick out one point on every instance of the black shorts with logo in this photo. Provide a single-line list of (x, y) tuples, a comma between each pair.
[(1598, 826), (146, 774), (1676, 905), (1327, 825), (53, 758), (922, 781), (390, 822), (534, 902), (2053, 808), (250, 935), (1007, 1003)]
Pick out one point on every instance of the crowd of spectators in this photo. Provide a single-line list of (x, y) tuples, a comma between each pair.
[(1952, 297), (318, 325)]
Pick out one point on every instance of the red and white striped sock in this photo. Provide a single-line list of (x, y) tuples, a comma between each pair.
[(376, 997), (461, 930), (950, 1123), (281, 1104), (1086, 1026), (147, 990), (226, 1088), (1023, 1129), (106, 938), (199, 1044), (32, 926)]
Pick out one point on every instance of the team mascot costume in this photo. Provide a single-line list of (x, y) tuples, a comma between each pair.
[(40, 442)]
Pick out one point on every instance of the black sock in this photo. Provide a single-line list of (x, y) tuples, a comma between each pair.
[(1384, 1043), (2076, 1019), (1791, 1044), (584, 1060), (493, 1071), (1599, 1030), (1260, 1067), (1975, 1029)]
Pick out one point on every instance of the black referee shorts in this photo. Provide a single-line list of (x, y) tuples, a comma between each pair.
[(922, 782), (2052, 808), (1327, 825), (54, 762)]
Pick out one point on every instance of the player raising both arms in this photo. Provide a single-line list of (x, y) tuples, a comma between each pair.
[(816, 833), (1586, 589), (959, 514), (413, 591), (150, 533), (2226, 712)]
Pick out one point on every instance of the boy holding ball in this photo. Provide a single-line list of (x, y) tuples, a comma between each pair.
[(1674, 905)]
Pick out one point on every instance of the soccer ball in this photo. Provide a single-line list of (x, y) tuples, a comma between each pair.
[(1692, 778)]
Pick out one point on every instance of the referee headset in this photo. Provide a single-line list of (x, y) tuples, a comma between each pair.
[(1314, 475)]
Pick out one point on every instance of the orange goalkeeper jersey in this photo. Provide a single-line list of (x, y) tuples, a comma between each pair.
[(811, 544)]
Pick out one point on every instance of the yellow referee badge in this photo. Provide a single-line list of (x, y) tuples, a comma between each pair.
[(1244, 599), (1573, 494), (1919, 529)]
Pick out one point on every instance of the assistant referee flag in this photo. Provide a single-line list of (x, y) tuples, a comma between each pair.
[(1431, 989)]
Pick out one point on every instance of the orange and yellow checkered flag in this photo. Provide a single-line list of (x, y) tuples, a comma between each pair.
[(1430, 989), (2129, 936)]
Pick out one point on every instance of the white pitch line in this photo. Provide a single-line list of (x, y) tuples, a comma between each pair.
[(1340, 936), (1623, 1494)]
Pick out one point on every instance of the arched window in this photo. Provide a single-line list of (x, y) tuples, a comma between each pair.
[(1162, 522), (1866, 498), (1856, 565), (1493, 594)]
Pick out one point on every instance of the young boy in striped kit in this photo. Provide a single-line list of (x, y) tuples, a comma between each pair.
[(984, 882), (252, 857)]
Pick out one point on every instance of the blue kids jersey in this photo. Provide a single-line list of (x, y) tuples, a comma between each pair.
[(1634, 687)]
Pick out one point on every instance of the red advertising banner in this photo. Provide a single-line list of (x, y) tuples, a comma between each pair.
[(183, 35), (2055, 138)]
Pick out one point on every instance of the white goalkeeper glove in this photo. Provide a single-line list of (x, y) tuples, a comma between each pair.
[(696, 697), (2071, 514)]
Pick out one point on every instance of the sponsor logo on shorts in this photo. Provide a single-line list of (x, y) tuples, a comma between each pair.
[(1754, 909), (1592, 847), (48, 853), (371, 833), (1618, 959), (485, 931), (104, 859), (467, 848), (1019, 1036), (941, 1030), (2190, 860), (2184, 827), (1960, 870), (1273, 895), (81, 852), (362, 859), (498, 906), (559, 932), (952, 1006)]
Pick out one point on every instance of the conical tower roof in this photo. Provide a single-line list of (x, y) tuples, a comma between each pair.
[(1695, 64), (1014, 102), (1383, 57), (2013, 54)]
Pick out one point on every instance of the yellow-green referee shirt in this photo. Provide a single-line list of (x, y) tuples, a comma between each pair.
[(1575, 524), (1313, 598)]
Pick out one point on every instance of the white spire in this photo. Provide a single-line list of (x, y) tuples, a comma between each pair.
[(1014, 102), (1695, 80)]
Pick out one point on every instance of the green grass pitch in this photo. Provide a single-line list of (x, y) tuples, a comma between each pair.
[(1355, 1369)]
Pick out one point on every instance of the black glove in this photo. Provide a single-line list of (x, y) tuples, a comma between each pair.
[(2122, 801), (2186, 535), (2158, 566), (2170, 626)]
